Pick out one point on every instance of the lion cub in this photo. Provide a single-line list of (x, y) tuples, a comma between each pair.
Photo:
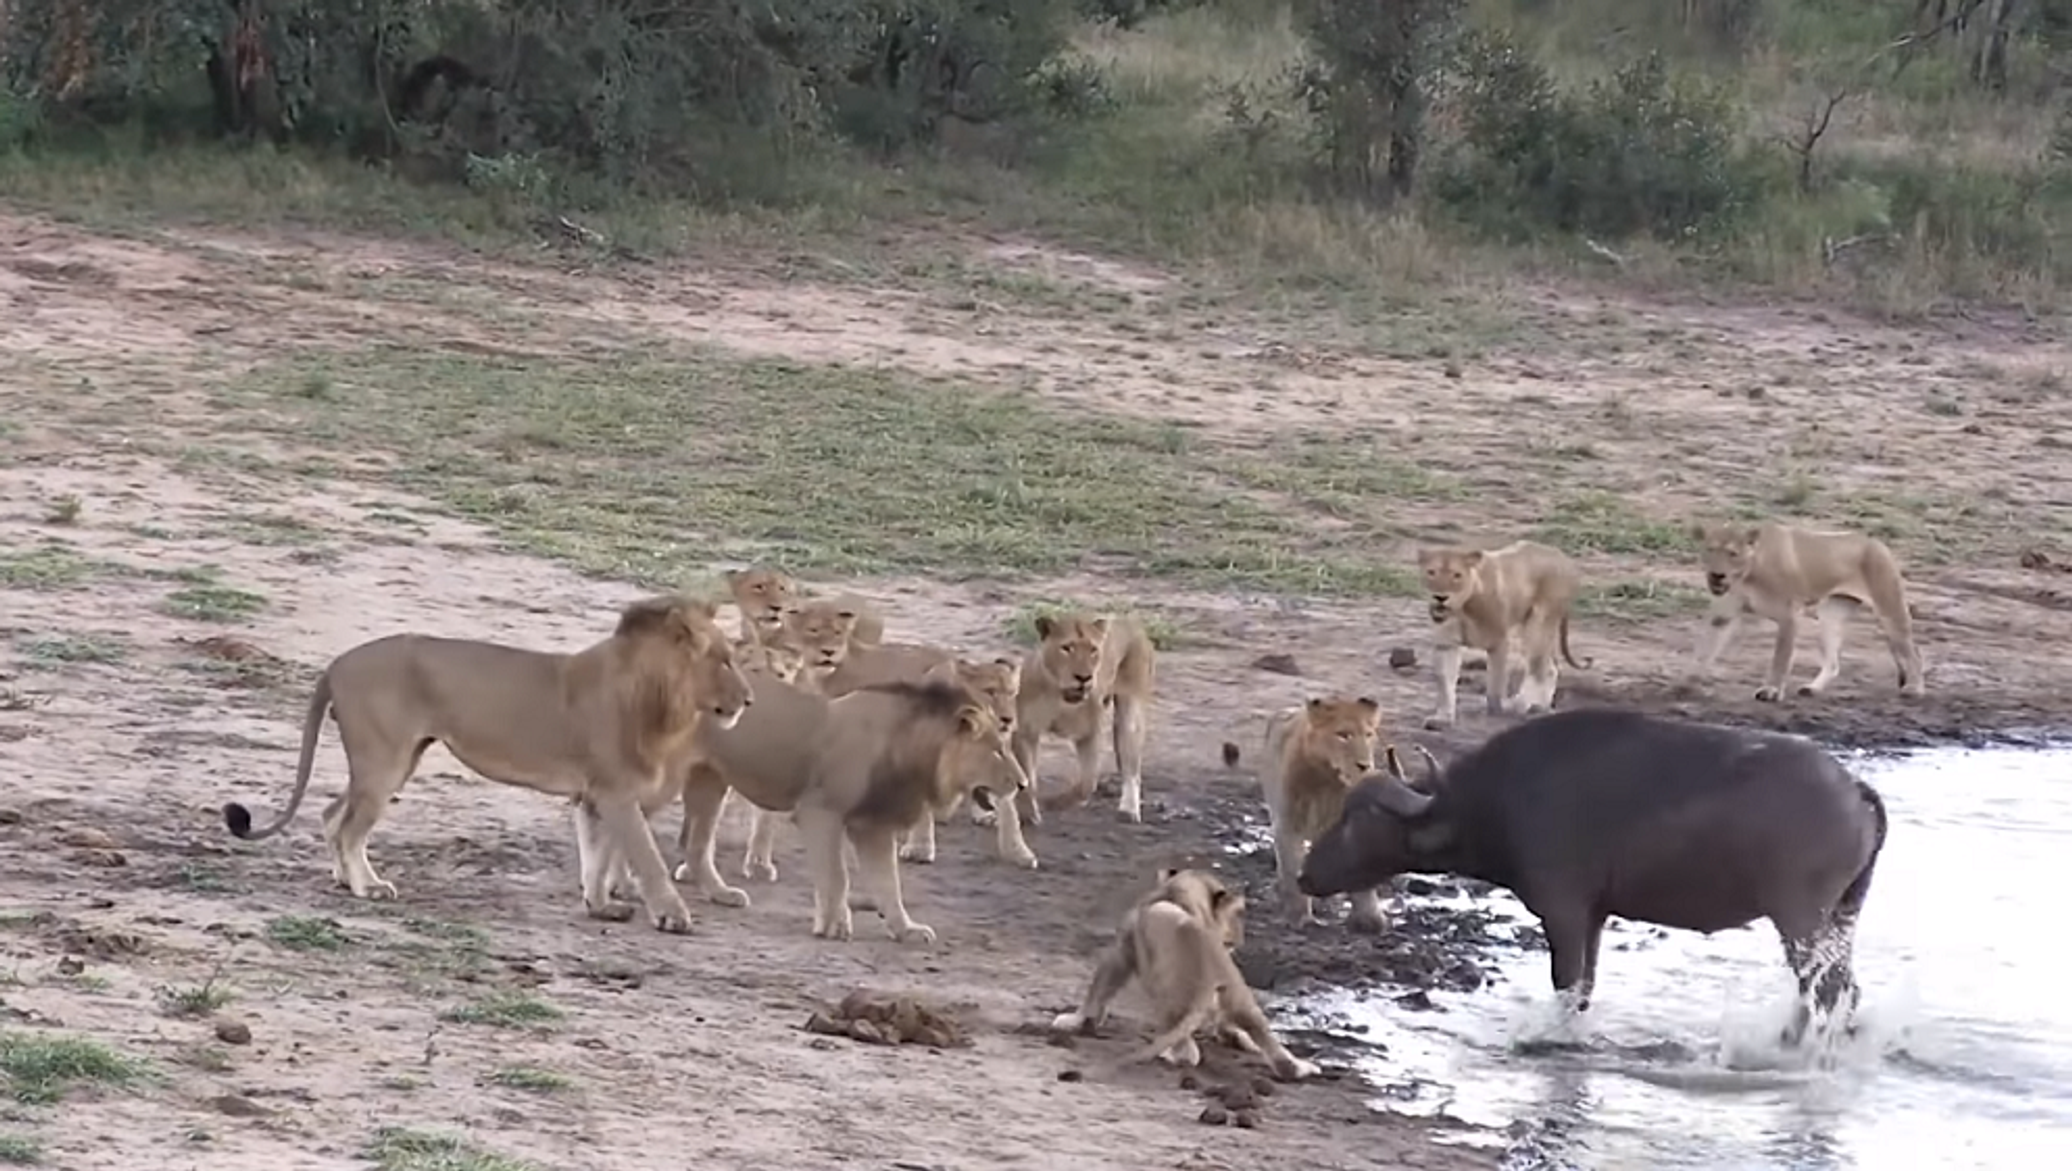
[(1314, 754), (1777, 571), (1084, 665), (1176, 942), (1513, 599)]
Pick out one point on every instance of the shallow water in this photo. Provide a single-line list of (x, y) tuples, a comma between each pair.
[(1963, 1058)]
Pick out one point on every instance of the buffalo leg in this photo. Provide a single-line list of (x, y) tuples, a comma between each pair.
[(1588, 985), (1569, 944)]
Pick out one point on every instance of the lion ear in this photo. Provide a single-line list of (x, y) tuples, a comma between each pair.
[(1751, 534), (1472, 558), (1168, 873), (1315, 705), (1368, 704), (1011, 664), (972, 721), (1220, 899), (1044, 625), (1100, 624)]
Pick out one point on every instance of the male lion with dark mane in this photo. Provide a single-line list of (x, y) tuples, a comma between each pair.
[(862, 768), (1315, 754), (599, 725), (1513, 599), (1176, 943), (1779, 571)]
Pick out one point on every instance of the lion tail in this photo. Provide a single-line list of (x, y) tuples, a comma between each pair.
[(1569, 654), (239, 819)]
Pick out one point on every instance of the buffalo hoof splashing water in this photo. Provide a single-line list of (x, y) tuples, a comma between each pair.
[(1959, 1054)]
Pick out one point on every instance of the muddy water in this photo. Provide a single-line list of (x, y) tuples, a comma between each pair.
[(1964, 1054)]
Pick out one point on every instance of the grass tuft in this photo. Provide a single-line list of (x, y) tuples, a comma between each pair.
[(40, 1068), (504, 1010), (307, 933), (396, 1148)]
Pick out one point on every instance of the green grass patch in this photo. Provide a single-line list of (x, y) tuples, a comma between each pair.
[(73, 648), (19, 1150), (530, 1079), (45, 567), (212, 602), (41, 1068), (505, 1010), (396, 1148), (199, 1000), (1601, 522), (1640, 600), (307, 933), (648, 468)]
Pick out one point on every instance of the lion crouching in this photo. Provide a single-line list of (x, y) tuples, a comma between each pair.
[(1313, 755), (1176, 943), (863, 768), (598, 726), (1779, 571)]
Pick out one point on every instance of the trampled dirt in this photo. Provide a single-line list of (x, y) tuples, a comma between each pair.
[(287, 1023)]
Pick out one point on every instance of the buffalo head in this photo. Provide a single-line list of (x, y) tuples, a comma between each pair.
[(1383, 830)]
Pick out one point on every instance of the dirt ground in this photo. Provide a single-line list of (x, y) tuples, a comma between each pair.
[(281, 1024)]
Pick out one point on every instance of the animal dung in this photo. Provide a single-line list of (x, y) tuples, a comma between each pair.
[(898, 1020)]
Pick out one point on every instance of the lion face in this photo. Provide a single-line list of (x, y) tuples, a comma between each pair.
[(764, 595), (1344, 733), (821, 630), (685, 630), (1204, 897), (1451, 577), (978, 757), (1071, 652), (997, 684), (1726, 554), (776, 656)]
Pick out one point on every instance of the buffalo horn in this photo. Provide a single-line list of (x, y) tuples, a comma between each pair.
[(1402, 800)]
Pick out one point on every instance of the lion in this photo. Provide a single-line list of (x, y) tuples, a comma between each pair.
[(1082, 665), (765, 594), (1176, 942), (994, 683), (862, 767), (1502, 601), (1779, 571), (1315, 753), (600, 725)]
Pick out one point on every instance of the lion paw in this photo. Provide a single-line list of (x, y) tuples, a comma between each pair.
[(838, 928), (611, 912), (983, 816), (682, 873), (1024, 858), (1133, 814), (1768, 694), (1436, 721), (1365, 924), (728, 896), (1067, 1022), (759, 872), (675, 922), (917, 853), (914, 933), (1184, 1053), (1297, 1069)]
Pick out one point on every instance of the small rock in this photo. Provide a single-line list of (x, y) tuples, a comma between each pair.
[(71, 966), (1278, 663), (10, 817), (238, 1107), (1239, 1098), (89, 838), (1402, 658), (233, 1032), (1212, 1116), (1264, 1088), (1452, 370), (1248, 1119), (1189, 1082), (1071, 1075), (1416, 1001)]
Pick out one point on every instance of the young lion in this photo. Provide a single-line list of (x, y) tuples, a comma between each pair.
[(864, 767), (1083, 664), (994, 684), (1176, 942), (1314, 754), (1777, 571), (764, 595), (598, 725), (1516, 598)]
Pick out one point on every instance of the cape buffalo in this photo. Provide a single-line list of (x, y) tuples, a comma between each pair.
[(1594, 812)]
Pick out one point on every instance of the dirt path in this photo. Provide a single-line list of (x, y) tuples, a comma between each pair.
[(178, 556)]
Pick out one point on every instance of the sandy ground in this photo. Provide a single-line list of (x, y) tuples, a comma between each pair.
[(123, 729)]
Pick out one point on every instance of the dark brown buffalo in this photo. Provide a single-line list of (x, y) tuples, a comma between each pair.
[(1594, 812)]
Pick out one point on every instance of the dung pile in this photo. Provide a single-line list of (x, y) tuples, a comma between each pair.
[(894, 1020)]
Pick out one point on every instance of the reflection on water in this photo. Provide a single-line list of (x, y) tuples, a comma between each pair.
[(1963, 1057)]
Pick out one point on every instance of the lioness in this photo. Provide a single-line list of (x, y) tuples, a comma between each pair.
[(765, 594), (598, 725), (1083, 665), (1778, 571), (1176, 941), (1516, 598), (1314, 754), (864, 766), (994, 684)]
